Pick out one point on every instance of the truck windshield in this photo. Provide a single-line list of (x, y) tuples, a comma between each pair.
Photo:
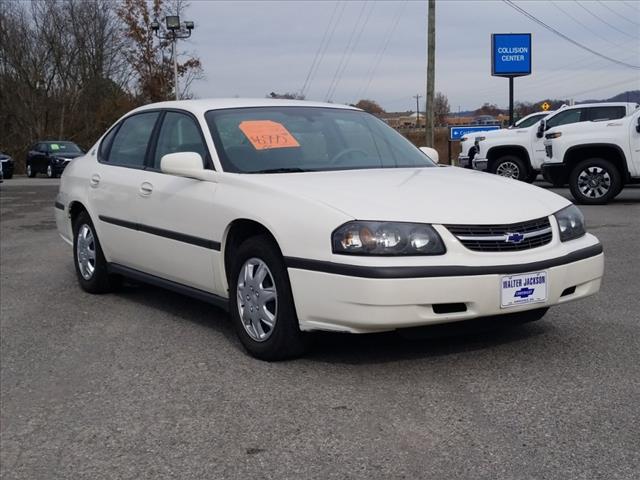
[(300, 139)]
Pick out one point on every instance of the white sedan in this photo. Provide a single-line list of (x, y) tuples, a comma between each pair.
[(300, 216)]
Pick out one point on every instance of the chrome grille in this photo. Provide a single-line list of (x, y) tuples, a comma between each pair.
[(504, 238)]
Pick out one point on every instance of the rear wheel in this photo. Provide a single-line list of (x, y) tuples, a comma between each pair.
[(261, 302), (50, 172), (595, 181), (90, 264), (30, 171), (510, 166)]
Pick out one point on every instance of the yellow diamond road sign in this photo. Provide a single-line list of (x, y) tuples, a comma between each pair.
[(546, 106)]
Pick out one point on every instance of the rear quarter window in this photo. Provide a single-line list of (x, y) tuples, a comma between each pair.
[(605, 113)]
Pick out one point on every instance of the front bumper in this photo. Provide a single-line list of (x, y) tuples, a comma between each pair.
[(7, 168), (59, 166), (353, 303), (555, 173), (480, 164), (464, 161)]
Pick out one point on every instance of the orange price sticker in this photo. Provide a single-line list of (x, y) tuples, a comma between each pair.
[(266, 134)]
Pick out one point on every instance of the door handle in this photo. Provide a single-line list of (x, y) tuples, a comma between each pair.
[(146, 188), (95, 180)]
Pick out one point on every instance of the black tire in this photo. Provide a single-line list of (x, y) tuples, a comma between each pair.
[(285, 339), (30, 171), (533, 175), (9, 176), (100, 281), (607, 178), (511, 163)]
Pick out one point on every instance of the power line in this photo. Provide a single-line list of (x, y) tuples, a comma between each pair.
[(604, 21), (354, 45), (326, 46), (320, 47), (618, 14), (562, 35), (383, 48), (589, 29), (344, 53)]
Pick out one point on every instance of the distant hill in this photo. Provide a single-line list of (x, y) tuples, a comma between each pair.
[(629, 96)]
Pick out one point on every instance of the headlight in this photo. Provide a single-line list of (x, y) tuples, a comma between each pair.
[(571, 223), (386, 238), (553, 135), (464, 139), (479, 139)]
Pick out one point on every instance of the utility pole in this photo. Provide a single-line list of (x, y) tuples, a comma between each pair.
[(431, 72), (417, 97)]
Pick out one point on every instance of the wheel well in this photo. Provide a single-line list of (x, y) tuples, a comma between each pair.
[(497, 152), (609, 153), (74, 210), (239, 231)]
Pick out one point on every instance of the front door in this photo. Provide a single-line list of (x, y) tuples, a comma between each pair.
[(181, 243)]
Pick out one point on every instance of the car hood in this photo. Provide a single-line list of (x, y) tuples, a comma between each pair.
[(433, 195)]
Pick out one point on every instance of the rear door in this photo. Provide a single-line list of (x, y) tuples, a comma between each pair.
[(181, 243), (115, 185)]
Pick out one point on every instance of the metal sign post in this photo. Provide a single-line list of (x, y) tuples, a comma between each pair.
[(510, 57)]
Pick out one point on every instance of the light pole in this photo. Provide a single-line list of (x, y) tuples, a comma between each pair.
[(175, 31)]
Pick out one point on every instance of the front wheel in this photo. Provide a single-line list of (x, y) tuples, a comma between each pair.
[(595, 181), (90, 264), (50, 172), (510, 166), (261, 302)]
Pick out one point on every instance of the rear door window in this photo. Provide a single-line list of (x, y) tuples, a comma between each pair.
[(605, 113), (129, 147)]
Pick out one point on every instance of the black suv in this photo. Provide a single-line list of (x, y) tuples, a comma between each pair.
[(7, 165), (51, 157)]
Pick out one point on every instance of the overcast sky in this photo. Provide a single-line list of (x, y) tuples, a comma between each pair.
[(249, 49)]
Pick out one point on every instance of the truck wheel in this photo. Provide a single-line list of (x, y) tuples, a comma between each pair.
[(261, 302), (511, 166), (595, 181)]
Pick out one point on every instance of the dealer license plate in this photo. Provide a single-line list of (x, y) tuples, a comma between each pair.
[(523, 289)]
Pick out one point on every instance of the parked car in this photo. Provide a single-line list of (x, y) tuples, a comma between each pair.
[(51, 157), (8, 165), (597, 159), (301, 216), (520, 153), (467, 143)]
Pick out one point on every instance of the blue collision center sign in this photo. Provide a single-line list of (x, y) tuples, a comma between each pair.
[(510, 54), (456, 133)]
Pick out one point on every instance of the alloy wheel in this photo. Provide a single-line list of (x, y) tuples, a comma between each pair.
[(257, 299), (594, 182), (509, 170), (49, 171), (86, 252)]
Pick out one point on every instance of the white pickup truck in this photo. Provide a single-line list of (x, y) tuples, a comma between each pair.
[(519, 153), (467, 143), (596, 158)]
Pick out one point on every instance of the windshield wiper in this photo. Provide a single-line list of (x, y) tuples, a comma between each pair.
[(281, 170)]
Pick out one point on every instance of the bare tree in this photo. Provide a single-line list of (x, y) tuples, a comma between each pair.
[(441, 108)]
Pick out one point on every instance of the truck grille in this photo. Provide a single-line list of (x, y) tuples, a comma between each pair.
[(504, 238)]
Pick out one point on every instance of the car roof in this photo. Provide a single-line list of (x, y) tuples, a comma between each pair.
[(603, 104), (201, 106)]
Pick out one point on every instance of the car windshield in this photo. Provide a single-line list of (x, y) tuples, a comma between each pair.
[(64, 147), (299, 139), (533, 119)]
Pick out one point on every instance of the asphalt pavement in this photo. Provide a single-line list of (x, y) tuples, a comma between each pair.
[(146, 384)]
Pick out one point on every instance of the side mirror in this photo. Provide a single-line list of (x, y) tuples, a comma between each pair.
[(185, 164), (432, 153), (541, 128)]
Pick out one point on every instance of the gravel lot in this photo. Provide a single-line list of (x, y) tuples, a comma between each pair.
[(149, 384)]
